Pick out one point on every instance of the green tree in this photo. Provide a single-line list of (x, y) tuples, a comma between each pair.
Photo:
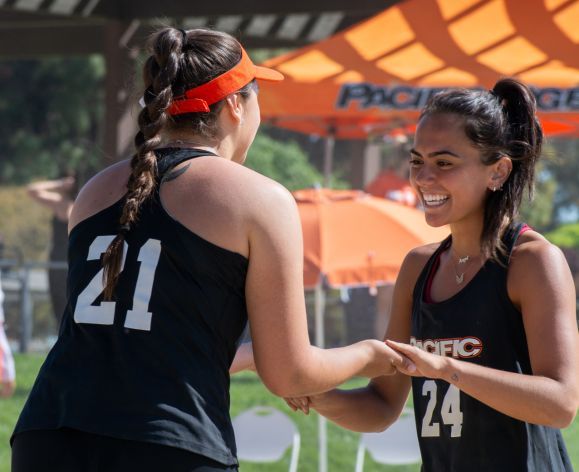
[(562, 163), (565, 236), (285, 163), (540, 212), (51, 117)]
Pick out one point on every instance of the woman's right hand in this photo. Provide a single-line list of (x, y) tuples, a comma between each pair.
[(304, 404), (299, 403), (385, 360)]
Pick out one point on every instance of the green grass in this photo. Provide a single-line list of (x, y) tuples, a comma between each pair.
[(246, 391), (26, 369)]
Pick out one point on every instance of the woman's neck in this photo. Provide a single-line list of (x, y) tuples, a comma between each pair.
[(221, 148), (466, 238)]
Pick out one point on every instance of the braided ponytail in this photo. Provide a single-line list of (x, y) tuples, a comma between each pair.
[(179, 60), (160, 72)]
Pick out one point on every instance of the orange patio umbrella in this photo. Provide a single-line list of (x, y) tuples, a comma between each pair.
[(354, 239), (389, 185), (374, 77)]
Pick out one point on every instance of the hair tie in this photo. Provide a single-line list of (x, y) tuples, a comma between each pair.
[(184, 46), (124, 228), (502, 101)]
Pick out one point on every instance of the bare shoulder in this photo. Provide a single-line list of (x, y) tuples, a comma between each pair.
[(101, 191), (535, 264), (532, 250), (412, 266), (417, 258), (239, 187)]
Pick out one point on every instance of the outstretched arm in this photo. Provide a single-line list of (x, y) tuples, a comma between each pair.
[(285, 360), (54, 194), (376, 406)]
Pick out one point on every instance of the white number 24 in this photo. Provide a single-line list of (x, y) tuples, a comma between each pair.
[(449, 411), (104, 313)]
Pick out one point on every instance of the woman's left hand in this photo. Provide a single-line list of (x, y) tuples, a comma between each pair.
[(427, 364)]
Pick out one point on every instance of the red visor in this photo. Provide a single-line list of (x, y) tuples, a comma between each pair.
[(199, 99)]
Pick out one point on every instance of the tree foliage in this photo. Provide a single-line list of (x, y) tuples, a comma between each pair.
[(284, 162), (562, 162), (51, 117), (565, 236), (540, 211), (557, 186), (24, 225)]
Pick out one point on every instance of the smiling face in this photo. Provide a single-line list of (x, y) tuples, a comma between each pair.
[(447, 173)]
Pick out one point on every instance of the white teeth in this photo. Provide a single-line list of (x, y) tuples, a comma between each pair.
[(434, 200)]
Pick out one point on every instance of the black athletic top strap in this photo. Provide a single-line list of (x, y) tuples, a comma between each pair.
[(168, 158)]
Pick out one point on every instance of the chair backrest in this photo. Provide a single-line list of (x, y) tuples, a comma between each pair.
[(397, 445), (263, 434)]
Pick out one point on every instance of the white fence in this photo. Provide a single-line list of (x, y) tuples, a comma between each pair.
[(24, 283)]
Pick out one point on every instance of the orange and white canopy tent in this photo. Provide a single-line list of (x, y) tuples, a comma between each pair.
[(375, 77)]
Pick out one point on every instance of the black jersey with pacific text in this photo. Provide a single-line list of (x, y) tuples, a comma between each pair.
[(479, 324)]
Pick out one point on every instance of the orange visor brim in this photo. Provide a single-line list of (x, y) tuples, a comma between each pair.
[(200, 98)]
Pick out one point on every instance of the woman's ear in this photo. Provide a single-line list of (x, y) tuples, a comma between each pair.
[(500, 173), (235, 107)]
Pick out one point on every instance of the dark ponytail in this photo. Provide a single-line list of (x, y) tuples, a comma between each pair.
[(179, 60), (500, 122)]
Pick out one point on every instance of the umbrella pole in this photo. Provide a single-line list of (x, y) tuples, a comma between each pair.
[(328, 159), (320, 301)]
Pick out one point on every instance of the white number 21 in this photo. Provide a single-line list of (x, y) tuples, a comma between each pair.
[(104, 313)]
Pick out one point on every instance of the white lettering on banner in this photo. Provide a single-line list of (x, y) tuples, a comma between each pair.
[(459, 348), (404, 97)]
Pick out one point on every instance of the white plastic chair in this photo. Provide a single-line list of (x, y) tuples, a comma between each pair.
[(263, 434), (397, 445)]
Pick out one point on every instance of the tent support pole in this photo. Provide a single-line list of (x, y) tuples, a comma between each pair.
[(328, 158), (320, 302)]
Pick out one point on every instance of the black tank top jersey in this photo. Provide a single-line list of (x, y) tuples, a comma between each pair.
[(153, 365), (479, 324)]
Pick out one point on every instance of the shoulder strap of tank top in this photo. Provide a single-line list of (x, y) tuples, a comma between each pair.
[(426, 275), (168, 158), (510, 238)]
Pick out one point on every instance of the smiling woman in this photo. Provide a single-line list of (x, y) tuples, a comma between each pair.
[(480, 313)]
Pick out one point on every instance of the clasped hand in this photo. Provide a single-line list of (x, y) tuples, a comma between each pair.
[(404, 358)]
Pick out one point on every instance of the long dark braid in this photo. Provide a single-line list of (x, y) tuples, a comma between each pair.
[(179, 60), (159, 73)]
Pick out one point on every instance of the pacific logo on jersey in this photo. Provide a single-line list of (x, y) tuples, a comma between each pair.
[(459, 348)]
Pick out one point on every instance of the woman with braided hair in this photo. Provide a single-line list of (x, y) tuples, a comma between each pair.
[(488, 315), (170, 254)]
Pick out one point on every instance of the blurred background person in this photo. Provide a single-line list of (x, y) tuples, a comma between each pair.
[(7, 371), (57, 195)]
